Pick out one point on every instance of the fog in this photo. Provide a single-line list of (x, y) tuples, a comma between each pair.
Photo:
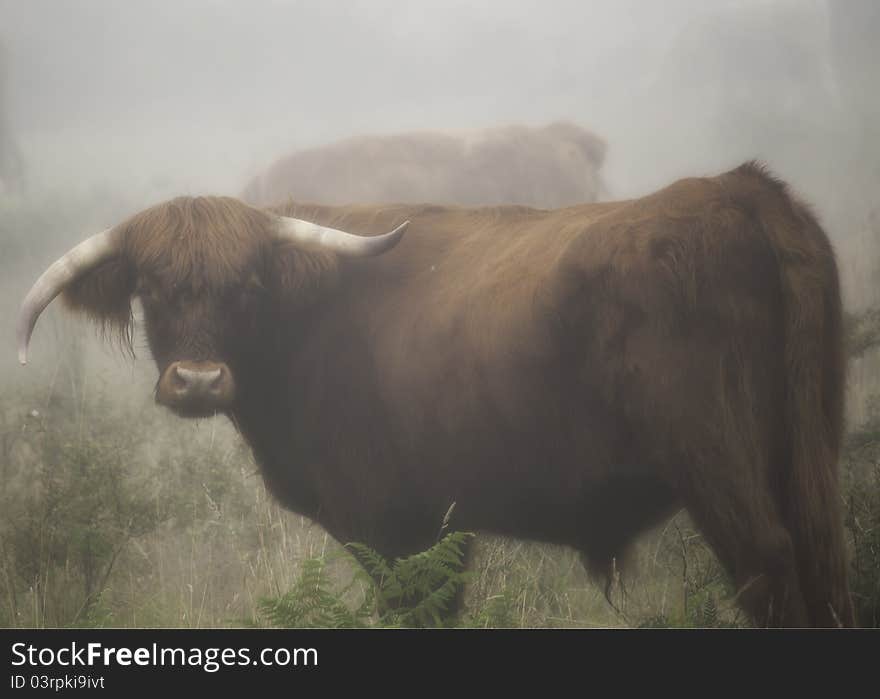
[(167, 97)]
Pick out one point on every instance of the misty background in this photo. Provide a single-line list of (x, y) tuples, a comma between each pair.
[(174, 97), (107, 107)]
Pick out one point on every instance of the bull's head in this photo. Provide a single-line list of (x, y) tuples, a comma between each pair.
[(212, 274)]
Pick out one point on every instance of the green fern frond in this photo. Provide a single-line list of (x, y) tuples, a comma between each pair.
[(414, 591)]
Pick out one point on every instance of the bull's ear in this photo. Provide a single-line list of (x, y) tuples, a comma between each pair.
[(301, 276), (104, 295)]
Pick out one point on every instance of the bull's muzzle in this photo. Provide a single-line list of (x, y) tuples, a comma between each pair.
[(195, 389)]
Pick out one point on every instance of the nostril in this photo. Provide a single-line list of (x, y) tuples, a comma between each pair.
[(196, 386), (178, 379), (217, 381)]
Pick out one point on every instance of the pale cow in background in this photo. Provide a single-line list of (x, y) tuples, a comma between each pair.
[(550, 167)]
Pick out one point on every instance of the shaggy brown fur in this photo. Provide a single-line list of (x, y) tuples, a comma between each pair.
[(556, 165), (571, 376)]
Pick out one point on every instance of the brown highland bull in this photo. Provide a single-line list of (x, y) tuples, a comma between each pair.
[(570, 376)]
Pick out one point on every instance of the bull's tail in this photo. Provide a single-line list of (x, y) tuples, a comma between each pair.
[(809, 496)]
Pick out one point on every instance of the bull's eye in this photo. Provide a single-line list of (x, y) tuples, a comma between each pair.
[(147, 291), (248, 296), (254, 288)]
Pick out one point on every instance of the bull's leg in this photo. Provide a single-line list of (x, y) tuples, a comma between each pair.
[(721, 434), (740, 521)]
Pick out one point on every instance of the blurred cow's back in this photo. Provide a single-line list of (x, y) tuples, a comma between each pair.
[(553, 166)]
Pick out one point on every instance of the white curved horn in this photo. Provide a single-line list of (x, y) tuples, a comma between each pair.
[(338, 241), (85, 256)]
